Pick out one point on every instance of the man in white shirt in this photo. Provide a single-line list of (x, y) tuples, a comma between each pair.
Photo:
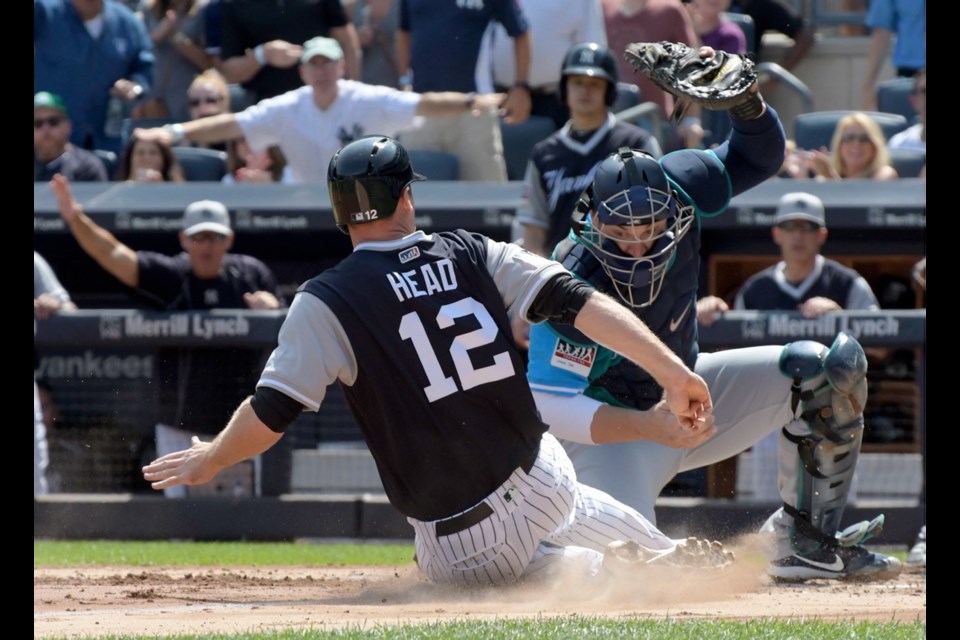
[(310, 123)]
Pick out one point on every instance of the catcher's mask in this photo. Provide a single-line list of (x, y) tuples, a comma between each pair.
[(366, 178), (630, 204), (590, 59)]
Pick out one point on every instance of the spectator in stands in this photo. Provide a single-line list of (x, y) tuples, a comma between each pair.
[(781, 17), (376, 22), (49, 297), (858, 150), (204, 276), (628, 21), (903, 22), (245, 165), (554, 31), (915, 136), (438, 45), (312, 122), (714, 29), (208, 95), (148, 161), (260, 41), (805, 281), (177, 31), (52, 150), (87, 51)]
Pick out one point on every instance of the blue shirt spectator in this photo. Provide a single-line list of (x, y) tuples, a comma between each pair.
[(81, 49)]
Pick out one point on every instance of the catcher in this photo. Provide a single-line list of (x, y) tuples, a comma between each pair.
[(636, 236)]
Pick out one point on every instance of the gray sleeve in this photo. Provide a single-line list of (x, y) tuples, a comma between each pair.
[(535, 210), (45, 280), (519, 274), (312, 353), (861, 297)]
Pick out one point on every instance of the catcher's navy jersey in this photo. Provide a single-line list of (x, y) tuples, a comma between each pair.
[(564, 361), (417, 332)]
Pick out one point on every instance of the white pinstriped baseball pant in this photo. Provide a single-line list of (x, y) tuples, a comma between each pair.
[(541, 520)]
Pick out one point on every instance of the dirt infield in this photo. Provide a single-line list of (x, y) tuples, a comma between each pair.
[(83, 602)]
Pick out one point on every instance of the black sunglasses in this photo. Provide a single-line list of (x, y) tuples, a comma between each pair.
[(196, 102), (799, 225), (862, 138), (53, 121)]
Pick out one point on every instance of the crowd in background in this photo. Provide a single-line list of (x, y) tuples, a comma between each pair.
[(119, 87)]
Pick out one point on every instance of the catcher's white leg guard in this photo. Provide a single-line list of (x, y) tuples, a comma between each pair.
[(820, 448)]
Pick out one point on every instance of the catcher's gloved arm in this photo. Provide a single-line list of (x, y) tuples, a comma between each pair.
[(716, 80)]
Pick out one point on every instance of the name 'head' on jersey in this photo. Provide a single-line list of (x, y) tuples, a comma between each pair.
[(632, 221), (366, 179)]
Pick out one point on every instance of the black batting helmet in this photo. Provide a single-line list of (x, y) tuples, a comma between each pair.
[(590, 59), (365, 179)]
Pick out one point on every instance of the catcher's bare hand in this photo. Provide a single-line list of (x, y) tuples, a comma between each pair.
[(664, 428), (689, 400), (190, 466)]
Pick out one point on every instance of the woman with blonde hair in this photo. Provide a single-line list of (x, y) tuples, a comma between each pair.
[(858, 150)]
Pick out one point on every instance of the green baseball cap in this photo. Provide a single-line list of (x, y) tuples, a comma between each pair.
[(50, 101)]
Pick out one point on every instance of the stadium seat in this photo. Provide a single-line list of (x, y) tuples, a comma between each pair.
[(436, 165), (109, 160), (129, 124), (908, 162), (240, 97), (893, 96), (201, 165), (815, 129), (519, 140), (747, 25), (628, 95)]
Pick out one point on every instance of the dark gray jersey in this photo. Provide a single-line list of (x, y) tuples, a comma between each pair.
[(416, 331)]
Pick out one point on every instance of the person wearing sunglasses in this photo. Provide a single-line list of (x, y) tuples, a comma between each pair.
[(52, 151), (858, 150), (805, 281), (207, 96)]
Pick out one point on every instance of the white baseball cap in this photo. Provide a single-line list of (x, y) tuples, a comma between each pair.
[(320, 46), (206, 215), (800, 206)]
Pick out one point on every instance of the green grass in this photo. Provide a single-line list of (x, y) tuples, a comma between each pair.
[(50, 553), (580, 628)]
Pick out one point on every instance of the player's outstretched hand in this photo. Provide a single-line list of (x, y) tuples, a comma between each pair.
[(190, 466), (68, 205)]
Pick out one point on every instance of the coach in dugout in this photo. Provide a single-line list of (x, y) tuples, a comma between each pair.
[(203, 276)]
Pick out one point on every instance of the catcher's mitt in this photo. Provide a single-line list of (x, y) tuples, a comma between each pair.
[(719, 83)]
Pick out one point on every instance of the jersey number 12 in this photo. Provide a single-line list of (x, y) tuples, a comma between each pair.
[(441, 385)]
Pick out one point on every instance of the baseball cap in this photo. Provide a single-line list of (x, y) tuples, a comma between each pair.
[(206, 215), (45, 99), (320, 46), (800, 206)]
